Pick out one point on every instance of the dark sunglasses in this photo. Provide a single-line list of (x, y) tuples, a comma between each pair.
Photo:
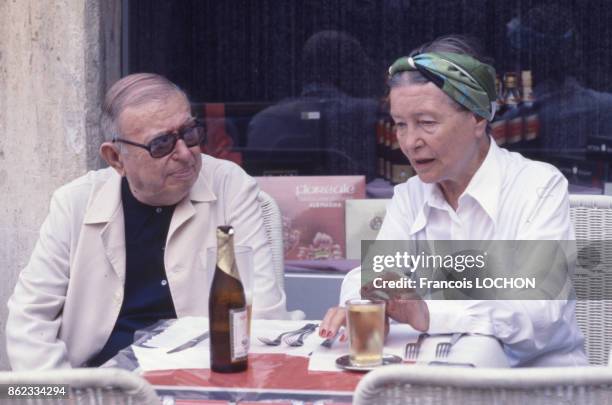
[(192, 134)]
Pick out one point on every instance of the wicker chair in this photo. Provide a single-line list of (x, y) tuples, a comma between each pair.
[(85, 386), (427, 385), (592, 219), (273, 225)]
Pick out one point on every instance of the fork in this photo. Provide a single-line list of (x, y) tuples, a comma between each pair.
[(298, 339), (412, 349), (443, 349), (327, 343), (279, 338)]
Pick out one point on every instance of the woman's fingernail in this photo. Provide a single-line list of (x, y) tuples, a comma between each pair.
[(329, 333), (322, 332)]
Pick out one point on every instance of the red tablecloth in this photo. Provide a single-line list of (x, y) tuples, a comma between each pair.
[(268, 375)]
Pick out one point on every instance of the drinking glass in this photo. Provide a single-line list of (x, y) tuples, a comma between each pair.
[(366, 331)]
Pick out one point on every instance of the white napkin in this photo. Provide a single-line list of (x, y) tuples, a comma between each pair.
[(184, 329), (158, 359), (181, 331), (479, 350)]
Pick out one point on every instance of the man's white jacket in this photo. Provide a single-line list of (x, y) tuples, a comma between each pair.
[(68, 297)]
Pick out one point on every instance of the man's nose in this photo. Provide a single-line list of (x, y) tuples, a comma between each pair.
[(181, 150)]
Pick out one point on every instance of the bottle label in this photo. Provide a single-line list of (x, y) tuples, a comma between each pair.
[(239, 334)]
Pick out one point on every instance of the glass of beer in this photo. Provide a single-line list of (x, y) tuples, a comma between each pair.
[(366, 331), (245, 265)]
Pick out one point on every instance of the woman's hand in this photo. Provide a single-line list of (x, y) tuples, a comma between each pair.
[(410, 310), (331, 323)]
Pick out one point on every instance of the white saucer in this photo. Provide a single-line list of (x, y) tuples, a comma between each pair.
[(344, 362)]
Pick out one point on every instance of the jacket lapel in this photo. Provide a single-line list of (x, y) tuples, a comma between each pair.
[(200, 192), (113, 239), (105, 208)]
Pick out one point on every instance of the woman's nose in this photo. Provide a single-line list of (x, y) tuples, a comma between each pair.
[(408, 140)]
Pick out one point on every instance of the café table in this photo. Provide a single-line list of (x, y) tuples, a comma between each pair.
[(281, 374)]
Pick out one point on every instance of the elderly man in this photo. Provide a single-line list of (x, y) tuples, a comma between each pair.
[(124, 246), (441, 99)]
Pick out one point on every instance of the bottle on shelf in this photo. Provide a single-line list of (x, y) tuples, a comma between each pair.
[(227, 310), (498, 125), (400, 165), (531, 121), (388, 142), (512, 99)]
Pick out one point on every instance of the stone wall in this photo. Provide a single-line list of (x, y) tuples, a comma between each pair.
[(56, 60)]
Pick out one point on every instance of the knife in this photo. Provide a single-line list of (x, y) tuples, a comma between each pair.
[(190, 343)]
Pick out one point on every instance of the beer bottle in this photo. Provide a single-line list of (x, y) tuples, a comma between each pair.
[(227, 310)]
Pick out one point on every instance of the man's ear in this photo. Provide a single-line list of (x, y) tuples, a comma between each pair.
[(111, 155), (481, 126)]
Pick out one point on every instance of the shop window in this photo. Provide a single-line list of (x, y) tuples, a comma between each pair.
[(297, 87)]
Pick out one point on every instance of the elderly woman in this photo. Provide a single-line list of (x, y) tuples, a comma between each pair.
[(442, 98)]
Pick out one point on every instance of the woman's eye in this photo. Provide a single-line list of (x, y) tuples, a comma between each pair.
[(427, 123)]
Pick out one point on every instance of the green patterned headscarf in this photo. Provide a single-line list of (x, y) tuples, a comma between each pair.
[(466, 80)]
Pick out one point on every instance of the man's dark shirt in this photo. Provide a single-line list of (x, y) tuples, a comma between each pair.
[(147, 297)]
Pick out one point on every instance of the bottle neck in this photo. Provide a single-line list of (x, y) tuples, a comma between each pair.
[(225, 252)]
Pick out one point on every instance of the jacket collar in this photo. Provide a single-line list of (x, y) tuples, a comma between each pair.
[(107, 199)]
